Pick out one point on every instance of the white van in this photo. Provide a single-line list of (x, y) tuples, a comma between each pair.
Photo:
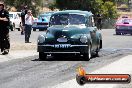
[(15, 19)]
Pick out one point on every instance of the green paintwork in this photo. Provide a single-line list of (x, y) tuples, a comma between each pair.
[(73, 33)]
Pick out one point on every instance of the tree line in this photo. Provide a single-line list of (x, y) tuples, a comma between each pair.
[(108, 8), (34, 5), (105, 7)]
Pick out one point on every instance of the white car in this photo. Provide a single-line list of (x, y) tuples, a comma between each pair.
[(15, 20)]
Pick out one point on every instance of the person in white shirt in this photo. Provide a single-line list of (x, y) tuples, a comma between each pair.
[(28, 25)]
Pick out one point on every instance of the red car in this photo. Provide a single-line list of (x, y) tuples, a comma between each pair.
[(123, 26)]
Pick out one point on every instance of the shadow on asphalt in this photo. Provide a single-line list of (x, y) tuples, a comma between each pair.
[(63, 58)]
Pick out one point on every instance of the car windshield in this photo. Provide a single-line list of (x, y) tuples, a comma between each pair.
[(68, 19), (44, 16), (125, 21), (128, 21), (10, 16)]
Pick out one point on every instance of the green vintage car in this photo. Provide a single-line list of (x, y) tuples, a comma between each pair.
[(70, 32)]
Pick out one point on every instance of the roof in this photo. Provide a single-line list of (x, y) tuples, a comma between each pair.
[(74, 11), (47, 13), (14, 12)]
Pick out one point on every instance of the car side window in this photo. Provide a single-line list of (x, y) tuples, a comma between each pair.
[(91, 21), (87, 22)]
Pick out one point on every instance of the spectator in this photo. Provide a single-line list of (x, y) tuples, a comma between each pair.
[(4, 30), (99, 21), (28, 25), (23, 13)]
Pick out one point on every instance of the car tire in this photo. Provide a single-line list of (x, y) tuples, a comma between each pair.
[(81, 80), (98, 49), (100, 46), (18, 29), (34, 29), (41, 29), (42, 56), (97, 52), (117, 33), (87, 56), (123, 33)]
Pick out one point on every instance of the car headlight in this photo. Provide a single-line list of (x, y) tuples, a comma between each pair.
[(84, 39), (41, 39)]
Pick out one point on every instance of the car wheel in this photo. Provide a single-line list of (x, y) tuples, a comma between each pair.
[(18, 29), (97, 52), (34, 29), (87, 56), (81, 80), (118, 33), (42, 56), (41, 29), (100, 46)]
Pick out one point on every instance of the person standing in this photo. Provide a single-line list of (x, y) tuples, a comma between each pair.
[(99, 21), (28, 25), (4, 30), (23, 13)]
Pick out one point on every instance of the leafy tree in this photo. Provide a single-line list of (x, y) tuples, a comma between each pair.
[(33, 5), (105, 7), (109, 10)]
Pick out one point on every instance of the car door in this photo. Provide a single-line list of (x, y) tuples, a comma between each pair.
[(93, 31)]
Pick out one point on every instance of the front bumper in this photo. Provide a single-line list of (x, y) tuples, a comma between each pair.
[(125, 31), (40, 26), (51, 49)]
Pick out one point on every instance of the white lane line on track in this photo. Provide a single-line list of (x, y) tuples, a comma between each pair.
[(122, 66), (17, 55)]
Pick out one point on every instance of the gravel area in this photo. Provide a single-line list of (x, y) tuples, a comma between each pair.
[(30, 72), (17, 40), (24, 46)]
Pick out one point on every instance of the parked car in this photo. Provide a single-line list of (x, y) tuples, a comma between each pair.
[(123, 26), (42, 23), (15, 20), (70, 32)]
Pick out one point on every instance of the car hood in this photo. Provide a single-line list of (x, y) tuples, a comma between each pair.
[(67, 30)]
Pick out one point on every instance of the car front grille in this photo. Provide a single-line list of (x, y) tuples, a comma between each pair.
[(129, 27), (125, 27), (42, 23)]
